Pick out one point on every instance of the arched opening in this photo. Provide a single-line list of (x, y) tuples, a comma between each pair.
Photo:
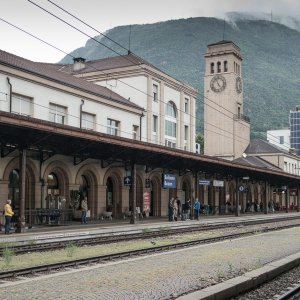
[(219, 67), (212, 68), (225, 66), (109, 194), (155, 197), (84, 187), (13, 187)]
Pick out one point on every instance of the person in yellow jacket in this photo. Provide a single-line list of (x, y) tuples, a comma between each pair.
[(8, 213)]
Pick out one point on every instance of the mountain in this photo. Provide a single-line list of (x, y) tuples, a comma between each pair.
[(271, 65)]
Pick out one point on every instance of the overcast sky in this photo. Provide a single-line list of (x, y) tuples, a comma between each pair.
[(104, 15)]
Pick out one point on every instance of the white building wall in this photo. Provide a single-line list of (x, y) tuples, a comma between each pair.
[(43, 95), (273, 137)]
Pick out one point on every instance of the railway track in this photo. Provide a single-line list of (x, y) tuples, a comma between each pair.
[(158, 233), (291, 294), (42, 269)]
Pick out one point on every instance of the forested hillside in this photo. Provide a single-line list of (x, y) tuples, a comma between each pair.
[(271, 65)]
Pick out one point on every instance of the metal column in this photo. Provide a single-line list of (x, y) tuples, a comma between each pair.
[(133, 193), (21, 217)]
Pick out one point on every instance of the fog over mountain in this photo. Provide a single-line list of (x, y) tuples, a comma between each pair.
[(270, 50)]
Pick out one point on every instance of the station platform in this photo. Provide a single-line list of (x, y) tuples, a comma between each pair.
[(210, 271), (76, 230)]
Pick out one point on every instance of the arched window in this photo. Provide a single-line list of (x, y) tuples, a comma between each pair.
[(225, 66), (171, 110), (171, 125), (219, 67), (212, 68)]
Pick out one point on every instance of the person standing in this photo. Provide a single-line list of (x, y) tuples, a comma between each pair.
[(175, 210), (84, 209), (8, 213), (196, 207), (170, 209)]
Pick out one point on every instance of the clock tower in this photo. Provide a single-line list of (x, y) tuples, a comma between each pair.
[(226, 128)]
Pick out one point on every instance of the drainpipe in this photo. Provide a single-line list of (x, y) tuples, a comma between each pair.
[(142, 115), (10, 94), (82, 102)]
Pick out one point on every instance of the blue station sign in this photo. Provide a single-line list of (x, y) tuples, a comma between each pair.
[(168, 181), (127, 180), (204, 182)]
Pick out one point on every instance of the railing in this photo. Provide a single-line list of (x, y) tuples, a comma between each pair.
[(45, 216), (242, 117)]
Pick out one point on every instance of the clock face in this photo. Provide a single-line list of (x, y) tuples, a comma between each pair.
[(218, 83), (239, 85)]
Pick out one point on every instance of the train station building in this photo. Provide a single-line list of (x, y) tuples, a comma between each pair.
[(122, 133)]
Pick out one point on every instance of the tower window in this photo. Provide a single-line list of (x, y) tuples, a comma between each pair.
[(212, 68), (155, 92), (225, 66), (218, 67)]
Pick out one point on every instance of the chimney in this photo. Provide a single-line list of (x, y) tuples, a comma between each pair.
[(79, 63)]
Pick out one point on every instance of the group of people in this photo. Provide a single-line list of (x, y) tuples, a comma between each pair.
[(176, 210)]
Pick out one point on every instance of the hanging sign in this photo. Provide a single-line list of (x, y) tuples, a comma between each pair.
[(204, 182), (127, 180), (146, 198), (219, 183), (168, 181)]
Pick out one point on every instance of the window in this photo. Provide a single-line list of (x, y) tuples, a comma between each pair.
[(170, 121), (186, 105), (135, 132), (57, 114), (225, 66), (155, 92), (212, 68), (170, 128), (281, 140), (219, 67), (171, 109), (186, 133), (113, 127), (170, 144), (21, 105), (88, 121), (155, 124)]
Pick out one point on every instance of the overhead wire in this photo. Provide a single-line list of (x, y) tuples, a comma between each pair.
[(103, 72), (242, 138), (111, 50)]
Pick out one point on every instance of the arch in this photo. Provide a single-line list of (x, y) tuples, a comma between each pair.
[(155, 195), (113, 182), (63, 175), (186, 188), (212, 68), (218, 67), (89, 188), (225, 65), (171, 109), (30, 182)]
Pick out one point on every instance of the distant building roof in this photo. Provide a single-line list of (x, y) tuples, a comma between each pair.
[(51, 72), (114, 62), (258, 146), (256, 161)]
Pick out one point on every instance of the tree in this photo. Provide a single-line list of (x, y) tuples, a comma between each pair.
[(200, 140)]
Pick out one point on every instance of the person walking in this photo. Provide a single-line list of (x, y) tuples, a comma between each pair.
[(8, 213), (196, 207), (84, 209)]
